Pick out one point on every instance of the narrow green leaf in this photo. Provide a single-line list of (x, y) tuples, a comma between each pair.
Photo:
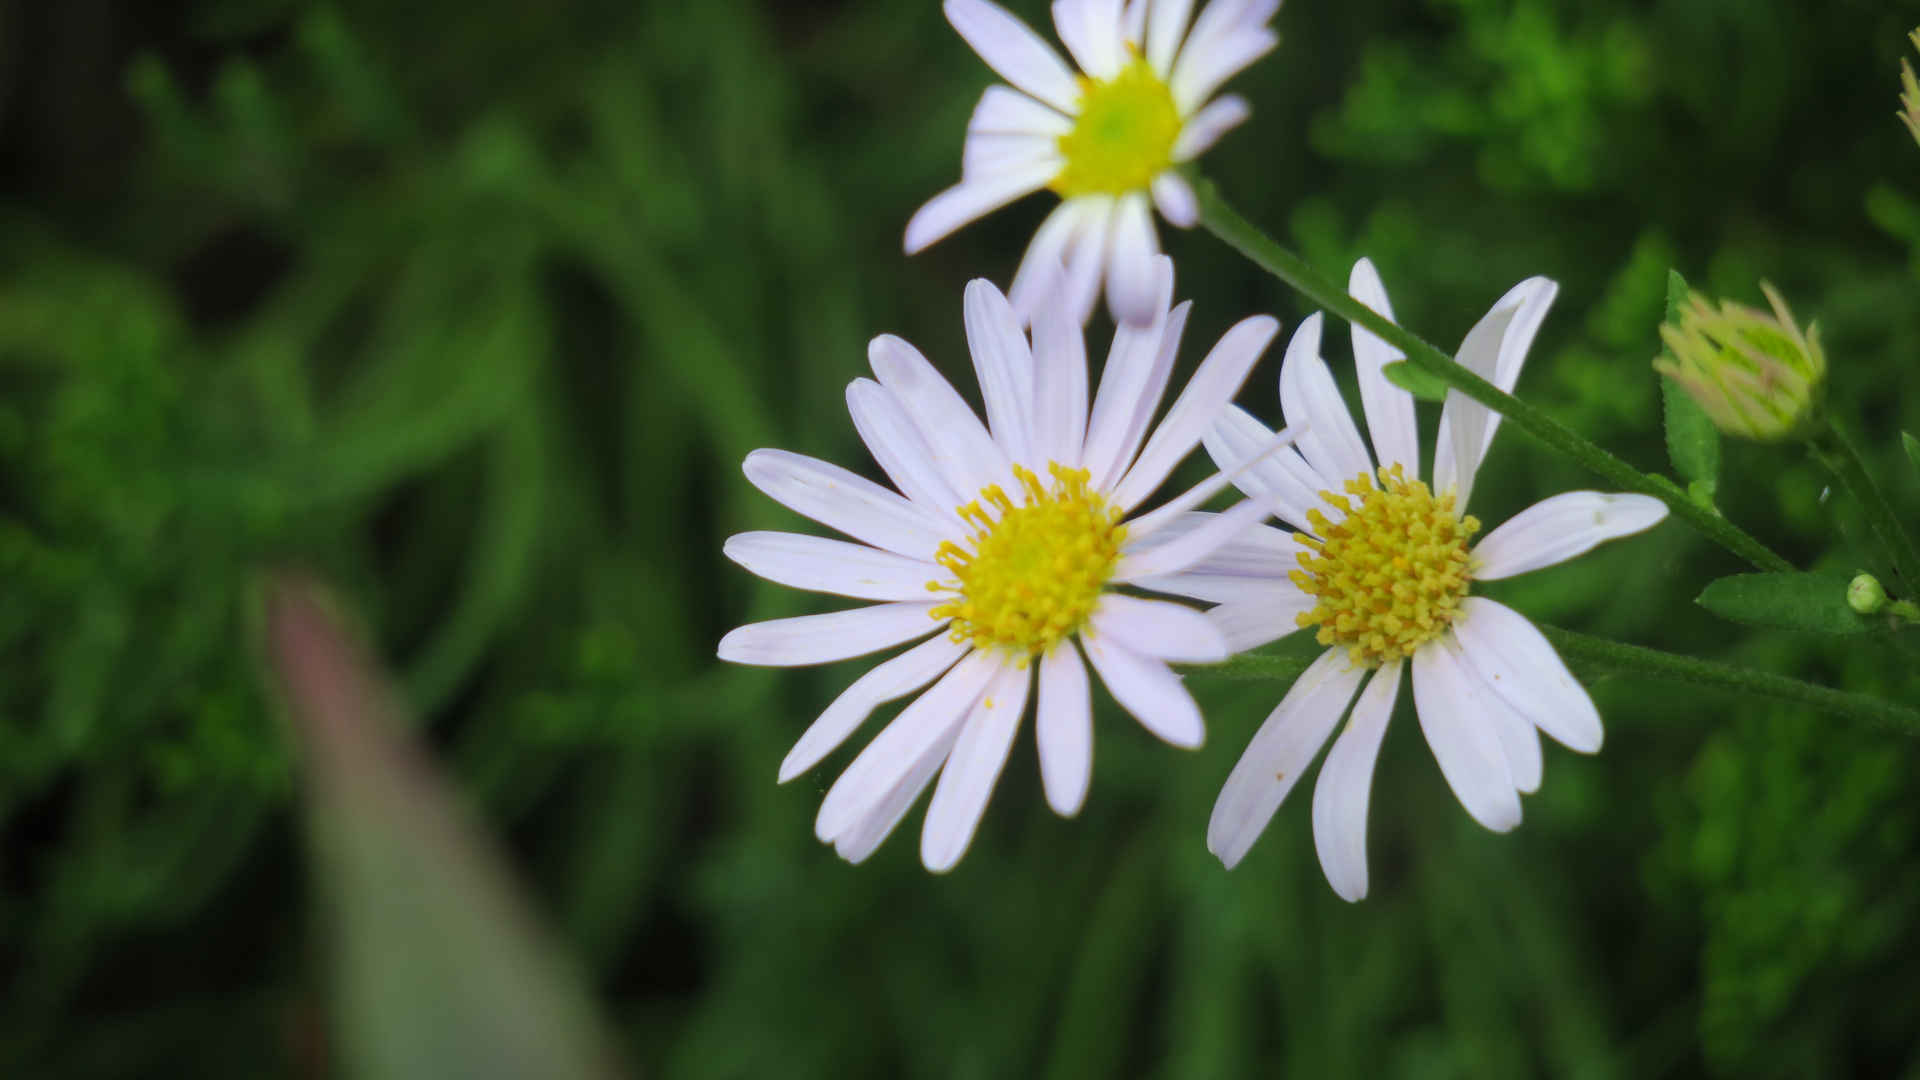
[(1676, 295), (1692, 442), (1788, 601), (1913, 448), (1417, 381)]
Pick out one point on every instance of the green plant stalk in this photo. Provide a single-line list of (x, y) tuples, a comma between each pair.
[(1243, 236), (1840, 453), (1599, 653)]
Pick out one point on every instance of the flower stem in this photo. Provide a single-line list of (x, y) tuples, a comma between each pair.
[(1592, 653), (1224, 222), (1840, 452)]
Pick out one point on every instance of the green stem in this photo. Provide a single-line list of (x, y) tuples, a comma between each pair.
[(1594, 653), (1840, 453), (1224, 222)]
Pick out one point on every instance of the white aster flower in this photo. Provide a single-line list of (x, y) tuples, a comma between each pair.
[(1107, 141), (1381, 565), (1009, 542)]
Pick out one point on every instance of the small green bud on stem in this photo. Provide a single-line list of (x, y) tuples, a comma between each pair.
[(1866, 595)]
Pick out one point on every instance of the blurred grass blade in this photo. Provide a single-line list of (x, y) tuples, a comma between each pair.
[(1787, 601), (1913, 448), (439, 969), (1693, 444)]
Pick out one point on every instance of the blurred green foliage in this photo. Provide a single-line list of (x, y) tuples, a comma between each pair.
[(475, 310)]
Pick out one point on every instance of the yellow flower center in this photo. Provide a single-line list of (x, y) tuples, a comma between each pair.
[(1035, 570), (1390, 576), (1123, 137)]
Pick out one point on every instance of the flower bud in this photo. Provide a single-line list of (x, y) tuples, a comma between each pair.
[(1755, 374), (1866, 595), (1910, 93)]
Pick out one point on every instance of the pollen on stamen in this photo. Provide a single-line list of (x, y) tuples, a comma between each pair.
[(1032, 571), (1390, 576)]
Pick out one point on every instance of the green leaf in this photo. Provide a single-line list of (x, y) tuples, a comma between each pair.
[(1676, 295), (1693, 444), (1692, 441), (1913, 448), (1788, 601), (1417, 381)]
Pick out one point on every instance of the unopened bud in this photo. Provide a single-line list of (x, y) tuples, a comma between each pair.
[(1755, 374), (1910, 93), (1865, 594)]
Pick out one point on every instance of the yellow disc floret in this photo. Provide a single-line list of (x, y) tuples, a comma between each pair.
[(1036, 569), (1391, 574), (1123, 137)]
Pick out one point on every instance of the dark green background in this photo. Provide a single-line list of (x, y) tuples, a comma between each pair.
[(475, 309)]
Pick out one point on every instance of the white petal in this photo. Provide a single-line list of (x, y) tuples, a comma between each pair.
[(1131, 385), (1519, 739), (933, 716), (1289, 485), (1140, 529), (1205, 127), (1091, 31), (1147, 561), (1064, 729), (965, 455), (1557, 529), (1279, 752), (1345, 786), (822, 639), (897, 445), (1513, 658), (845, 501), (1059, 386), (1259, 552), (1136, 23), (1495, 349), (1004, 363), (1166, 26), (976, 196), (972, 768), (1175, 200), (1086, 253), (818, 564), (1464, 744), (1159, 629), (1390, 418), (1249, 624), (1011, 48), (987, 155), (1207, 394), (1308, 397), (1005, 111), (862, 838), (1132, 294), (1204, 65), (1043, 279), (896, 678), (1148, 690)]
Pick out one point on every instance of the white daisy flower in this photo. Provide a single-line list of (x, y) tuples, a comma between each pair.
[(1382, 566), (1010, 542), (1107, 140)]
